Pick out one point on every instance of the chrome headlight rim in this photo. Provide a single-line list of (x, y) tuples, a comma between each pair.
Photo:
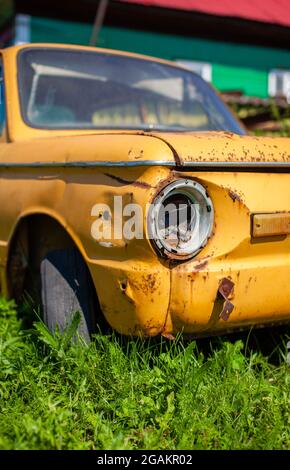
[(199, 195)]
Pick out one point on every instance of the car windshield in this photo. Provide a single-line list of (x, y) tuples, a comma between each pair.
[(70, 89)]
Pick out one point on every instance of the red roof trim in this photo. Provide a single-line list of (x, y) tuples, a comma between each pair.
[(267, 11)]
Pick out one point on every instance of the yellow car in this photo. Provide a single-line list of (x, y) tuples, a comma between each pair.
[(129, 190)]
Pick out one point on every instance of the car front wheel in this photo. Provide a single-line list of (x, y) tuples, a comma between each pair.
[(66, 288)]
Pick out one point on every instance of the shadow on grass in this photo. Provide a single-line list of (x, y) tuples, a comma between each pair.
[(270, 342)]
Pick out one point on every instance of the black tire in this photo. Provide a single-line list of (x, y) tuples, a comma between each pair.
[(66, 287)]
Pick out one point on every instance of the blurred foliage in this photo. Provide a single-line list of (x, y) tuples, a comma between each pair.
[(6, 10), (278, 115)]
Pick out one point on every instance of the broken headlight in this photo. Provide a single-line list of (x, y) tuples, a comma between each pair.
[(181, 219)]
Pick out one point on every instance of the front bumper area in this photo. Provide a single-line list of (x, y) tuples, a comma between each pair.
[(134, 296), (258, 294), (143, 300)]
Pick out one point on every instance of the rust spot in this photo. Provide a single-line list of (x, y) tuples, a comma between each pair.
[(168, 336), (138, 184), (201, 266), (234, 196), (248, 284), (229, 134), (147, 284), (225, 291), (163, 183), (146, 330), (150, 282)]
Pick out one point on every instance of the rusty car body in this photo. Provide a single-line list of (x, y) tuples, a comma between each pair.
[(51, 178)]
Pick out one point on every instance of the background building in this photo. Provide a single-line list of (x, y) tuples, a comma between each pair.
[(241, 45)]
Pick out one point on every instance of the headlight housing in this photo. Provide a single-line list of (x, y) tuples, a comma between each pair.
[(181, 219)]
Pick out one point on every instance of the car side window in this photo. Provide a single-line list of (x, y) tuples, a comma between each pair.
[(2, 100)]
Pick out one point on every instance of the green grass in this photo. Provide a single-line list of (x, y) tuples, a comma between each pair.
[(224, 393)]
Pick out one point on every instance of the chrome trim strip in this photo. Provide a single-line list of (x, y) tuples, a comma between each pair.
[(204, 165), (237, 164), (86, 164)]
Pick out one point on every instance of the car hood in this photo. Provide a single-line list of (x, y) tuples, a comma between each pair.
[(226, 148), (190, 149)]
